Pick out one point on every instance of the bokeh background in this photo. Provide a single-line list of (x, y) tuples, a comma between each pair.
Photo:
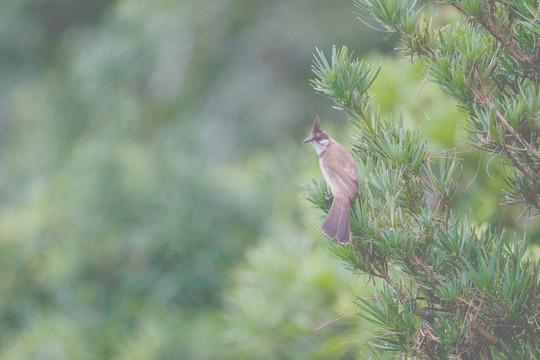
[(151, 163)]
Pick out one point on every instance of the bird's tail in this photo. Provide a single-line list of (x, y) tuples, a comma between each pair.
[(337, 223)]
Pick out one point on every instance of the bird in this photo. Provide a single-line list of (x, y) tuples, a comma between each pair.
[(339, 170)]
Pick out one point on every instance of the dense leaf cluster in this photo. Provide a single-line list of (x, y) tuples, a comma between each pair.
[(452, 290), (489, 62)]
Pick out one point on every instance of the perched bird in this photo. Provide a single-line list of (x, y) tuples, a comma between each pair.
[(339, 170)]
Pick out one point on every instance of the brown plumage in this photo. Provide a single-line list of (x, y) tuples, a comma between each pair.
[(339, 170)]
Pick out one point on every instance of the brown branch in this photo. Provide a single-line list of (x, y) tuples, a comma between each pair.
[(416, 261), (488, 22), (527, 175), (521, 169), (508, 44), (419, 262), (475, 325), (509, 127), (401, 32), (514, 148), (527, 146), (383, 274), (460, 8)]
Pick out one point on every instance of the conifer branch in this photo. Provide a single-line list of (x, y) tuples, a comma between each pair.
[(470, 294), (486, 19)]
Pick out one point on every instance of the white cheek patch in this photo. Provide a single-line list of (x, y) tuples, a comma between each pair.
[(319, 147), (324, 142)]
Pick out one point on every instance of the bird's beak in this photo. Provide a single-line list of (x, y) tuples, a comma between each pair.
[(309, 139)]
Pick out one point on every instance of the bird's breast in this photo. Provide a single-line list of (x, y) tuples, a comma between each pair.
[(326, 175)]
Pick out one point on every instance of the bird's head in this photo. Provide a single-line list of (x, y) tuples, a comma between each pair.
[(318, 137)]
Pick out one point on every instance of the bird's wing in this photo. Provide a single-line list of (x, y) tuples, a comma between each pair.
[(340, 171)]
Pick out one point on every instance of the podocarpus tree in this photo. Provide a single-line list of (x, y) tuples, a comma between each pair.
[(451, 289)]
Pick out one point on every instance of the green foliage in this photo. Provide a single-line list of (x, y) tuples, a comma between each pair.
[(452, 289), (394, 319), (280, 296), (489, 65), (145, 146), (345, 79), (393, 15)]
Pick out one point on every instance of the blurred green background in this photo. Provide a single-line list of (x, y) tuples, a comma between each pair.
[(151, 167)]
